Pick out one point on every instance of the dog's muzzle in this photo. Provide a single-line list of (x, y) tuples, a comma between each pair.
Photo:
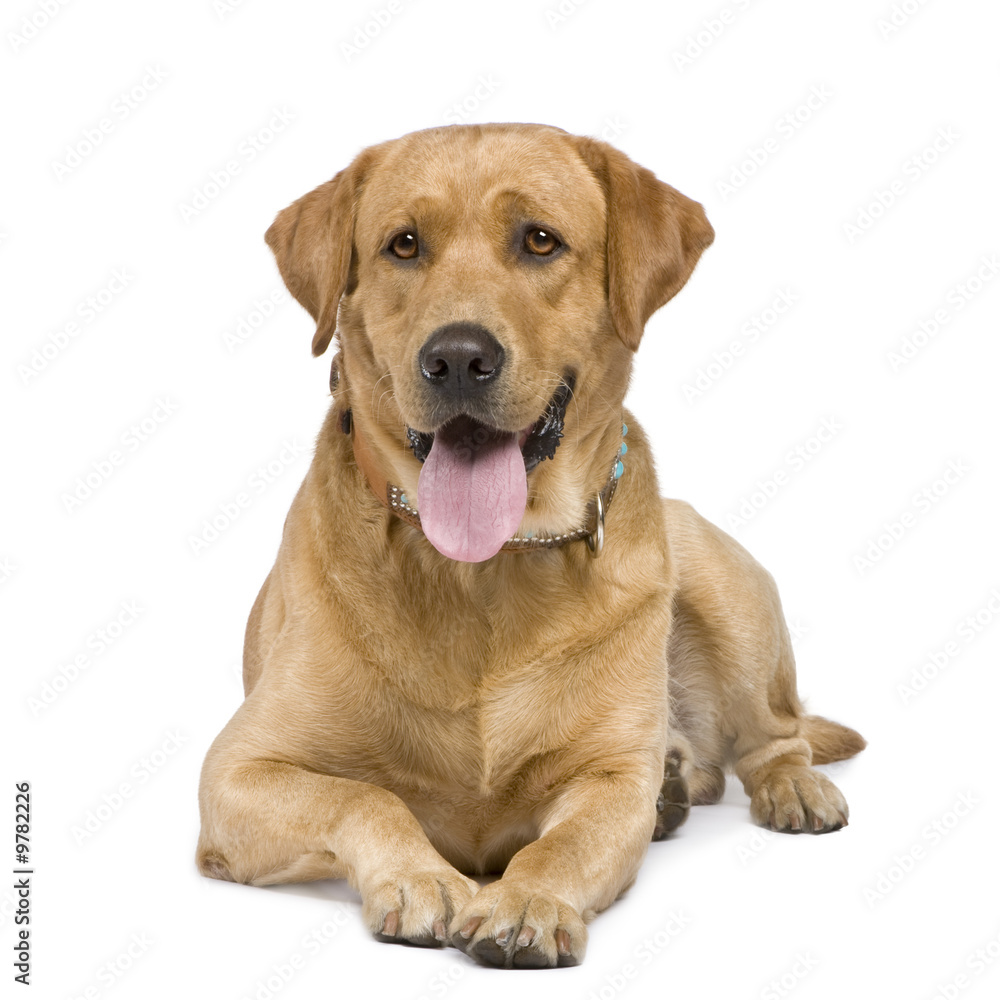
[(542, 438)]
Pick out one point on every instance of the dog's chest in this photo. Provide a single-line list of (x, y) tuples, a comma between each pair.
[(490, 691), (475, 730)]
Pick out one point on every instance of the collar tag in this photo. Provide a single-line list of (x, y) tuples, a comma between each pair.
[(595, 540)]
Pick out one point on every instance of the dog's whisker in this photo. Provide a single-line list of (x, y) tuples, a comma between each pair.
[(390, 393), (581, 414), (376, 404)]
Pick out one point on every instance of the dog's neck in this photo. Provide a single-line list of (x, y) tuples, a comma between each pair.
[(397, 501)]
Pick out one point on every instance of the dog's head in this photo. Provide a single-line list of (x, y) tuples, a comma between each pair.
[(488, 285)]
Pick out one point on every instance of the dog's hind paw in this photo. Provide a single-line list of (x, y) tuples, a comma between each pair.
[(792, 798), (673, 803)]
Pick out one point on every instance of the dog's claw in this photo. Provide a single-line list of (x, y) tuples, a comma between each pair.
[(563, 943), (470, 928)]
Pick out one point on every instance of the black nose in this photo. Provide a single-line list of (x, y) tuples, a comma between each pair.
[(461, 359)]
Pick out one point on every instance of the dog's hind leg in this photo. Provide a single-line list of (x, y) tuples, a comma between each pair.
[(734, 703)]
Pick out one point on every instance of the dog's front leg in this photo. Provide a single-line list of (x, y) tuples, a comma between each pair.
[(267, 821), (593, 838)]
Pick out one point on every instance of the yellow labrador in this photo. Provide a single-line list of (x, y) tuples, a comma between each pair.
[(487, 644)]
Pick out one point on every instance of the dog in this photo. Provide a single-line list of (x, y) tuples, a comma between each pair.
[(487, 644)]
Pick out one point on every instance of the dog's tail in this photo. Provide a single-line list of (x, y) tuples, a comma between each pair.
[(830, 741)]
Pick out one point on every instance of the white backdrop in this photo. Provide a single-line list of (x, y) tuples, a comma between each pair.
[(825, 388)]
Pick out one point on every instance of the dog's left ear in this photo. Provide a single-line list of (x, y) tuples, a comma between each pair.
[(312, 241), (654, 239)]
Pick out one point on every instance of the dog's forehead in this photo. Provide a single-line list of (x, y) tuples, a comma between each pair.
[(472, 168)]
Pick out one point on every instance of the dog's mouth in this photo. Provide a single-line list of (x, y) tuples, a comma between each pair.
[(473, 490), (537, 442)]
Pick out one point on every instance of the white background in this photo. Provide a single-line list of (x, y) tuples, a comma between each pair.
[(888, 907)]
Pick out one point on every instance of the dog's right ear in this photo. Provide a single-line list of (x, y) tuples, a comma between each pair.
[(312, 241)]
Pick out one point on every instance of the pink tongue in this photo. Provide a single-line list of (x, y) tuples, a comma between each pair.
[(471, 495)]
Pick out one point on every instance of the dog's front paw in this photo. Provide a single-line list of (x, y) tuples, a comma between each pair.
[(795, 799), (417, 907), (511, 927)]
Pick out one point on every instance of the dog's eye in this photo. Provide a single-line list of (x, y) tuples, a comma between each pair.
[(404, 245), (540, 241)]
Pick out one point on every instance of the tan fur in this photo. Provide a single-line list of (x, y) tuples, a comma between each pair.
[(410, 720)]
